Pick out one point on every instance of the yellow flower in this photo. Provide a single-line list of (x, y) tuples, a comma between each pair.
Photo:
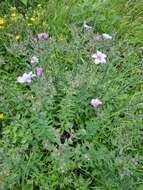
[(1, 21), (13, 14), (18, 36), (33, 19), (1, 116)]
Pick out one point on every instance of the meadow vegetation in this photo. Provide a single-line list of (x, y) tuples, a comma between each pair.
[(71, 100)]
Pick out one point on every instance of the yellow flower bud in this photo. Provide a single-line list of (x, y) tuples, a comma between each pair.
[(33, 19), (18, 36), (1, 116), (13, 14), (2, 21)]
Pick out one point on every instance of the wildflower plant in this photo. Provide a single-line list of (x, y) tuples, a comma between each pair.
[(99, 57), (69, 123)]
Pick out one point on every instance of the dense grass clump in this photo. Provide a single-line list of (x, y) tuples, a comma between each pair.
[(71, 124)]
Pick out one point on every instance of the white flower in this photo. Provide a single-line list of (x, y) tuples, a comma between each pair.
[(34, 59), (99, 57), (86, 27), (106, 36), (25, 78)]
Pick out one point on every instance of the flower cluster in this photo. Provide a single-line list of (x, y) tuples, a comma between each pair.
[(36, 15), (98, 57), (98, 37), (27, 77), (13, 14)]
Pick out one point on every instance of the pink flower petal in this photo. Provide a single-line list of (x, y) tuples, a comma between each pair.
[(95, 103), (43, 36), (39, 72), (99, 57), (25, 78)]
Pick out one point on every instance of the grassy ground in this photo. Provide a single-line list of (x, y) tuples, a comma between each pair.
[(51, 138)]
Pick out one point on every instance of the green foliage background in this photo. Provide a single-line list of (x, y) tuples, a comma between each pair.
[(51, 138)]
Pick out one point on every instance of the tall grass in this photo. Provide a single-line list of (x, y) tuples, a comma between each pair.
[(130, 24)]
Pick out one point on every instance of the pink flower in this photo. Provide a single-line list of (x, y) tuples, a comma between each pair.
[(86, 27), (95, 103), (39, 72), (34, 59), (106, 36), (43, 36), (99, 57), (25, 78)]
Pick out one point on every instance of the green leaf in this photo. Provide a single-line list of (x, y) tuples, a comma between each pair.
[(27, 187), (24, 2)]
